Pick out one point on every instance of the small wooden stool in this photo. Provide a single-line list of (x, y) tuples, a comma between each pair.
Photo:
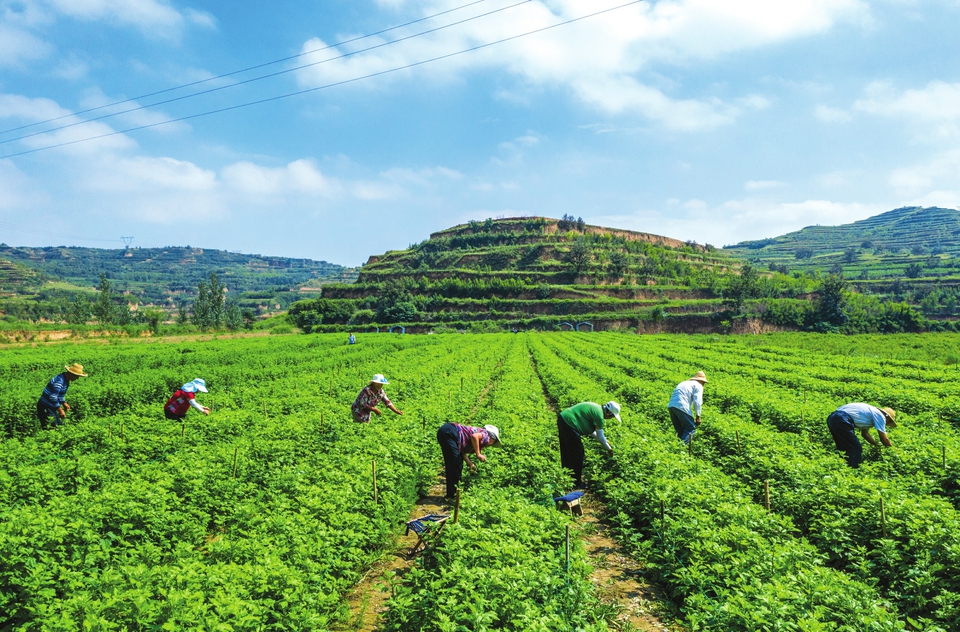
[(419, 526), (571, 501)]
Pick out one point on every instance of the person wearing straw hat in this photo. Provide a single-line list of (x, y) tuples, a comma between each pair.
[(457, 441), (847, 419), (371, 395), (185, 398), (583, 419), (685, 405), (52, 406)]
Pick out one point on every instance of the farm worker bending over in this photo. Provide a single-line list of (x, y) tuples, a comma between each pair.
[(685, 404), (456, 442), (371, 395), (52, 407), (180, 402), (582, 419), (843, 421)]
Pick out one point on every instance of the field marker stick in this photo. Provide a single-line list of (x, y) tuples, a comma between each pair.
[(943, 455), (121, 430), (330, 389), (883, 518), (766, 494), (568, 548), (109, 431), (235, 449), (264, 408), (461, 383), (321, 422), (375, 496), (739, 450), (663, 518), (939, 420), (456, 508)]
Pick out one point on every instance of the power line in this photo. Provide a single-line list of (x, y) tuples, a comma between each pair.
[(242, 70), (267, 76), (329, 85)]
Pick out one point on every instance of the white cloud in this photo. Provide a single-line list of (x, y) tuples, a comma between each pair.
[(299, 177), (600, 59), (17, 192), (153, 17), (940, 172), (127, 114), (25, 110), (935, 107), (18, 46)]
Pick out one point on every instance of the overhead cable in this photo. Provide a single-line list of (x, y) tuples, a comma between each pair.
[(267, 76), (242, 70), (323, 87)]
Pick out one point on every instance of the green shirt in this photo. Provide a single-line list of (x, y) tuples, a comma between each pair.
[(584, 417)]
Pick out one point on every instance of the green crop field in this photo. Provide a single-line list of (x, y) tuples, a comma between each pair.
[(263, 515)]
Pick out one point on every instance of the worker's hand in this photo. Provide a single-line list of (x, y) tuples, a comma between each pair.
[(481, 457), (399, 412), (60, 413), (66, 406), (376, 410), (206, 411), (611, 451), (697, 422), (473, 468)]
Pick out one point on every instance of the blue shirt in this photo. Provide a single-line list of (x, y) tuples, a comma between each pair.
[(865, 416), (55, 392)]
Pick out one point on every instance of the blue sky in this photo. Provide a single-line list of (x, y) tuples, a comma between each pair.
[(709, 121)]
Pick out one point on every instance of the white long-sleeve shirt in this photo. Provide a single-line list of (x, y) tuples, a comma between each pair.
[(688, 397)]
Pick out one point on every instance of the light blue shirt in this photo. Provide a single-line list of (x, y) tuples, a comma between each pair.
[(865, 416), (688, 396)]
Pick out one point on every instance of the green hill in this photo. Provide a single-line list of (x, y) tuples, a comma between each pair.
[(41, 277), (523, 272), (910, 254)]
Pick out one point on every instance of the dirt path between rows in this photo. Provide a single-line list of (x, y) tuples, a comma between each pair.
[(368, 599)]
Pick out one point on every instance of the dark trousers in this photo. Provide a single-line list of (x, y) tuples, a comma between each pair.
[(171, 416), (47, 417), (684, 424), (845, 436), (449, 440), (571, 450)]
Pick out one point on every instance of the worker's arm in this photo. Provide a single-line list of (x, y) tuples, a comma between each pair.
[(884, 439), (697, 404), (475, 441), (865, 433), (195, 404), (466, 457), (394, 409), (598, 435)]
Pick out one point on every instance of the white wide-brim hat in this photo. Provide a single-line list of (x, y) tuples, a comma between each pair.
[(494, 432), (195, 385), (614, 409), (378, 379)]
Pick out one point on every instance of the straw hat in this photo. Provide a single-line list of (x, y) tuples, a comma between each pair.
[(195, 385), (891, 415), (378, 379), (76, 368), (493, 432), (700, 377), (614, 409)]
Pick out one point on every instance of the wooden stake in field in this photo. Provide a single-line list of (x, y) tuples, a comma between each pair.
[(461, 383), (739, 449), (109, 431), (321, 422), (663, 518), (568, 548), (456, 508), (183, 430), (883, 518), (690, 446), (766, 494), (375, 495), (235, 450), (121, 430), (330, 389), (943, 456)]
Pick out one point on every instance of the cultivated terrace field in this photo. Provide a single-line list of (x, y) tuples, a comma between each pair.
[(263, 515)]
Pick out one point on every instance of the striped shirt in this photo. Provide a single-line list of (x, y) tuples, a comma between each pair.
[(465, 434), (55, 392)]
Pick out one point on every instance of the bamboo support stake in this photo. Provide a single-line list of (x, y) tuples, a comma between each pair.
[(883, 518), (461, 383), (375, 496), (739, 449), (330, 388), (456, 508), (766, 494), (235, 450), (943, 456), (321, 423), (690, 446), (121, 430), (663, 518), (109, 431), (568, 548), (264, 408), (183, 430)]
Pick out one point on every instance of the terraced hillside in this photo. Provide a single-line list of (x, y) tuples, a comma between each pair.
[(523, 272)]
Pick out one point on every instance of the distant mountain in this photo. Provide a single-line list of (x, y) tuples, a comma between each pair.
[(906, 243), (161, 276)]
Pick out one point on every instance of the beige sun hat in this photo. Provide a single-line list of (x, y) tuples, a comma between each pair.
[(891, 415), (700, 377), (76, 368)]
